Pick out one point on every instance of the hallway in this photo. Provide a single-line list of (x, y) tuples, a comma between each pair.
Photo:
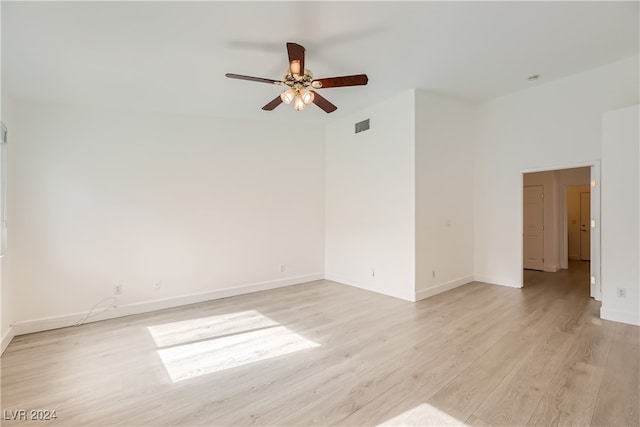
[(573, 281)]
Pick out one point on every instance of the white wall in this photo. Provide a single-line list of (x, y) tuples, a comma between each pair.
[(621, 215), (550, 126), (444, 193), (7, 293), (208, 207), (370, 187)]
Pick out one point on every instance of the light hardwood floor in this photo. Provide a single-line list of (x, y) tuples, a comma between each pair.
[(477, 355)]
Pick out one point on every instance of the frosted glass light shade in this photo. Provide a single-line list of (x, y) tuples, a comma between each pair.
[(288, 95), (307, 96), (299, 103)]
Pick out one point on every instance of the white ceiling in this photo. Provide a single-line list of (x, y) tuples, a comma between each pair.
[(172, 56)]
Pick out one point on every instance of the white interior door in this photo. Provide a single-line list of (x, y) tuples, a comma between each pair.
[(533, 224), (585, 226)]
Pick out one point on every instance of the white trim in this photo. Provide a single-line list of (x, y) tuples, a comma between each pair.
[(595, 258), (55, 322), (491, 281), (443, 287), (562, 166), (550, 268), (620, 316), (349, 282), (6, 340)]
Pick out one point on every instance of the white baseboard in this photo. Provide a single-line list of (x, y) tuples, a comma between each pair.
[(550, 268), (55, 322), (443, 287), (627, 317), (6, 340), (349, 282), (493, 281)]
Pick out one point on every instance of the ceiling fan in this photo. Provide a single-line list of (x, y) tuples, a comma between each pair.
[(299, 80)]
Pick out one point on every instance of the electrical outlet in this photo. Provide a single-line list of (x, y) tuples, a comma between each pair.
[(157, 284), (282, 268), (373, 272), (117, 290), (433, 274), (622, 292)]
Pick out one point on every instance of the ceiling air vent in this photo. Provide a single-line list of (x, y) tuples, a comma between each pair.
[(362, 126)]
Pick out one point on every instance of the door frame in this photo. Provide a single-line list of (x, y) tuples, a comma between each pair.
[(594, 165)]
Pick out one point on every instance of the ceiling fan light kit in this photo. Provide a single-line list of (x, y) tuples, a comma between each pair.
[(298, 84), (301, 97)]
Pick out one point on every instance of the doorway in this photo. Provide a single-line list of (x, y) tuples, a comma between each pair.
[(560, 222), (585, 226), (579, 222)]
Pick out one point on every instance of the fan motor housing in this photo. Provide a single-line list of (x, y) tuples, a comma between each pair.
[(300, 81)]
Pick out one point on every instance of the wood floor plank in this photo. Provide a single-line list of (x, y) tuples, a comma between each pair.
[(474, 421), (618, 402), (571, 399), (466, 392), (514, 400), (384, 357), (476, 355), (436, 365)]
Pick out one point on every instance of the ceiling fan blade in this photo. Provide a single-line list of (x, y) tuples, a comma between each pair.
[(253, 79), (322, 102), (296, 58), (355, 80), (273, 104)]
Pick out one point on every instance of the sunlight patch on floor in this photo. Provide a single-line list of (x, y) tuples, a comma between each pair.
[(186, 331), (423, 415), (212, 344)]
